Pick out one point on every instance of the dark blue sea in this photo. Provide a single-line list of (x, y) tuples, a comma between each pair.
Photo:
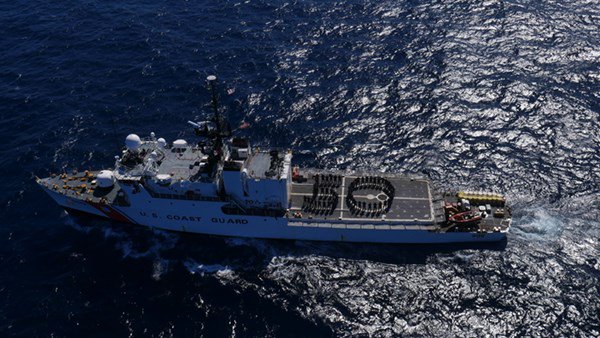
[(500, 95)]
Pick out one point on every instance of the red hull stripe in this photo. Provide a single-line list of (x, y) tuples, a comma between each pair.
[(130, 220), (111, 212)]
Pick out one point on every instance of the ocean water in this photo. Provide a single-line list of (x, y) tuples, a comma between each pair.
[(476, 94)]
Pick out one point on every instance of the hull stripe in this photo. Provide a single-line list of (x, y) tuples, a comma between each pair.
[(129, 219), (111, 212)]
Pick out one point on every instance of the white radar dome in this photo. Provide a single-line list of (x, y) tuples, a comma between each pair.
[(178, 144), (163, 179), (133, 142), (105, 179), (162, 143)]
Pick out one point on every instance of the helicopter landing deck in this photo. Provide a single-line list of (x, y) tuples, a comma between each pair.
[(359, 198)]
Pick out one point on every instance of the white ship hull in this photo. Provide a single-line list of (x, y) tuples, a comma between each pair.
[(206, 217)]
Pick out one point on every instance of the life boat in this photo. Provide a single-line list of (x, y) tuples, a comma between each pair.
[(465, 218)]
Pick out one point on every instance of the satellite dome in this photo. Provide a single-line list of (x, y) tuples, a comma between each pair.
[(105, 179), (163, 179), (161, 143), (133, 142), (178, 144)]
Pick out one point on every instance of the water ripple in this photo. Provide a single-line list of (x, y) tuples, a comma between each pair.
[(500, 94)]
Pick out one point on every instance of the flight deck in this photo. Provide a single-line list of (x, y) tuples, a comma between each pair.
[(362, 197)]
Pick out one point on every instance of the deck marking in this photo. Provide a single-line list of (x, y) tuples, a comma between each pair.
[(342, 197), (432, 212)]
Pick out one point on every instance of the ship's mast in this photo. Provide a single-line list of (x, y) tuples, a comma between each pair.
[(211, 79), (215, 129), (222, 127)]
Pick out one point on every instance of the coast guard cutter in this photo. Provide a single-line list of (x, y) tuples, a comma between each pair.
[(223, 186)]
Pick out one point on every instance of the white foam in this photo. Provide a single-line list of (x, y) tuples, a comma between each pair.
[(160, 241), (70, 221), (201, 269), (260, 245), (159, 268), (538, 223)]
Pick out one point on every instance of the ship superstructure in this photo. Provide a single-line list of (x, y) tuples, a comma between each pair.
[(221, 185)]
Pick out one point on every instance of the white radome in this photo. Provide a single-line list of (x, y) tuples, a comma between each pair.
[(162, 143), (163, 179), (133, 142), (105, 179), (178, 144)]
